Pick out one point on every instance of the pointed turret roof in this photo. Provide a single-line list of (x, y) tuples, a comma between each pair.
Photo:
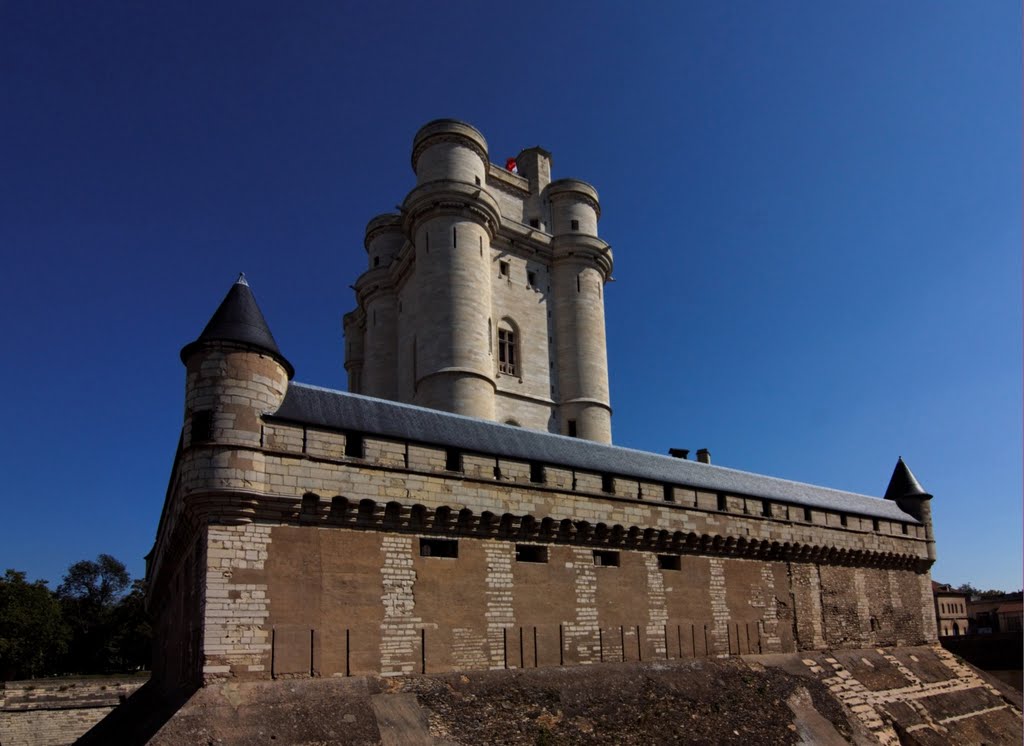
[(238, 319), (904, 484)]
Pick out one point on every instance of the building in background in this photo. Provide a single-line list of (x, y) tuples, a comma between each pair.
[(995, 614), (950, 610)]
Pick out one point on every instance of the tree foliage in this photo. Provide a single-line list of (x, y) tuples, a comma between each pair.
[(32, 632), (978, 593), (95, 622)]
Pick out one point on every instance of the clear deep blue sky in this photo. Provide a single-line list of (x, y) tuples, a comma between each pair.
[(815, 210)]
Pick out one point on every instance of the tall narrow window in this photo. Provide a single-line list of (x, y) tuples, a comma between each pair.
[(575, 224), (572, 428), (508, 353)]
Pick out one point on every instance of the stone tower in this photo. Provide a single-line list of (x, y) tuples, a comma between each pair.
[(484, 296)]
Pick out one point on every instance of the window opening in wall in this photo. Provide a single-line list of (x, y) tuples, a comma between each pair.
[(534, 223), (476, 179), (874, 624), (807, 515), (536, 472), (202, 426), (490, 338), (448, 548), (722, 504), (575, 224), (503, 269), (455, 238), (843, 520), (605, 558), (376, 261), (669, 562), (607, 483), (426, 241), (531, 279), (874, 524), (531, 553), (668, 493), (577, 283), (355, 447), (766, 509), (904, 527), (572, 428), (507, 362), (453, 459)]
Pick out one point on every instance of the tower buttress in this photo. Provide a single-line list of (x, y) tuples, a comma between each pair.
[(581, 264), (450, 218)]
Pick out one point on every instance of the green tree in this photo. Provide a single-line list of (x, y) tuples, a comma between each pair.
[(132, 632), (90, 594), (32, 632)]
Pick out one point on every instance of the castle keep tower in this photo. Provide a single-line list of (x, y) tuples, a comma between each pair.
[(484, 296)]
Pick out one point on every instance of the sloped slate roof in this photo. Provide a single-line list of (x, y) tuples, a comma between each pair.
[(904, 484), (311, 405), (238, 319)]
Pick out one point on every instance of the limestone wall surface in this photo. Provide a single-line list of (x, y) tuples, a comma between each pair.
[(54, 712)]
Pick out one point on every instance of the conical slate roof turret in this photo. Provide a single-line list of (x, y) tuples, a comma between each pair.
[(238, 319), (904, 484)]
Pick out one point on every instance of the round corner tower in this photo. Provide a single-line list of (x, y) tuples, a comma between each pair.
[(581, 265), (377, 298), (450, 219), (235, 373)]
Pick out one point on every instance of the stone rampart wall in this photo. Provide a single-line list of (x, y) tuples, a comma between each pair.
[(53, 712)]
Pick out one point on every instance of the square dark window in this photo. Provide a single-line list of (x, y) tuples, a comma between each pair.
[(503, 269), (453, 459), (448, 548), (202, 426), (531, 553), (354, 445), (575, 225), (534, 223), (537, 472), (604, 558), (669, 562)]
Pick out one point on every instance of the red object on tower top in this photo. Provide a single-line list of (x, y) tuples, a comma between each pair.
[(510, 165)]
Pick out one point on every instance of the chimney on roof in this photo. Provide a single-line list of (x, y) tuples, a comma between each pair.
[(683, 453), (704, 456)]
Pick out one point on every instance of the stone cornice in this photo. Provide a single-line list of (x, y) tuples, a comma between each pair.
[(239, 506), (580, 248), (386, 223), (447, 197), (573, 189), (507, 181), (448, 130)]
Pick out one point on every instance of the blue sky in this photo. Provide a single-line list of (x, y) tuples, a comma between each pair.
[(815, 210)]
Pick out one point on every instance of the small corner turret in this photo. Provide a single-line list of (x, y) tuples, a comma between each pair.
[(235, 373), (911, 497)]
